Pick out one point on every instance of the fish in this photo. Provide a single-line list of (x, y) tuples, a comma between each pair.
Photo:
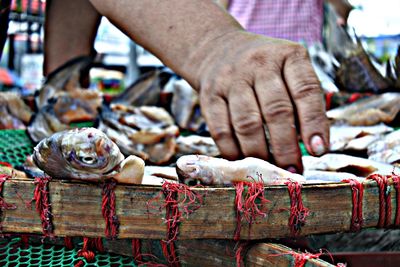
[(319, 177), (206, 170), (360, 167), (16, 106), (86, 154), (145, 91), (347, 137), (147, 131), (64, 78), (185, 107), (7, 121), (368, 111), (386, 149), (196, 144)]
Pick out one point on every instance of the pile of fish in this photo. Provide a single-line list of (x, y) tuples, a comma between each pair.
[(14, 113)]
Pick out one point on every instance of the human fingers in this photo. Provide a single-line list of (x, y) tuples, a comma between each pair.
[(306, 93), (278, 114), (247, 121), (215, 111)]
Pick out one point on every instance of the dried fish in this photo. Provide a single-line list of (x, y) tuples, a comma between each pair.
[(64, 78), (386, 149), (196, 144), (147, 132), (346, 137), (344, 163), (86, 154), (145, 91), (195, 169), (185, 107), (369, 111), (318, 177)]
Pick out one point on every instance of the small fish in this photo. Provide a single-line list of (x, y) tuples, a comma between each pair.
[(86, 154), (386, 149), (196, 145), (148, 132), (369, 111), (200, 169)]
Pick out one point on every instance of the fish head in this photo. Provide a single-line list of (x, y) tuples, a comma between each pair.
[(90, 148), (191, 172)]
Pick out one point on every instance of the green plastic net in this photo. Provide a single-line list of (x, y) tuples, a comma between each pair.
[(14, 253), (15, 145)]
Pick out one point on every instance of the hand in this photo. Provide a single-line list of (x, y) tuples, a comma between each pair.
[(247, 81)]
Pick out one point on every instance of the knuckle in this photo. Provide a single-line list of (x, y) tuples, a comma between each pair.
[(277, 110), (220, 133), (305, 89), (298, 53), (315, 117), (248, 125)]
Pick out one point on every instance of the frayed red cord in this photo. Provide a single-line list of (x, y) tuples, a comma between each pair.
[(6, 164), (298, 213), (300, 259), (108, 209), (177, 197), (169, 251), (357, 191), (240, 251), (385, 201), (246, 205), (137, 255), (24, 241), (328, 100), (68, 242), (396, 184), (87, 251), (41, 197)]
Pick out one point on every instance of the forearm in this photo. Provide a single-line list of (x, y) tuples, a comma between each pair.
[(171, 29), (70, 30)]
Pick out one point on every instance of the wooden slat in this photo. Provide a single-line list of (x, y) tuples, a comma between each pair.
[(76, 210)]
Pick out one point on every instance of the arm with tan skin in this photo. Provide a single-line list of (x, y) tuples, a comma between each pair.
[(70, 30), (244, 80)]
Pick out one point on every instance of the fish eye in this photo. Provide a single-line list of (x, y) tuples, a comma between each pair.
[(87, 159), (193, 182)]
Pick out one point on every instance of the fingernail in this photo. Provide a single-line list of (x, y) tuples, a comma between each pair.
[(291, 169), (317, 145)]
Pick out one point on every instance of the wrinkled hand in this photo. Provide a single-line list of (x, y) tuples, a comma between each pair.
[(248, 81)]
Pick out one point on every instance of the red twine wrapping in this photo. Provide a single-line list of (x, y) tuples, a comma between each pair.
[(357, 190), (137, 255), (68, 242), (177, 197), (298, 213), (108, 209), (300, 259), (385, 201), (250, 205), (41, 197), (240, 251), (87, 251), (396, 184), (328, 100)]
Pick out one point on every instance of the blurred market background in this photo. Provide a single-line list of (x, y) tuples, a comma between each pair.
[(376, 22)]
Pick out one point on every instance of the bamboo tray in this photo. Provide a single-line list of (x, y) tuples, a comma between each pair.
[(76, 211)]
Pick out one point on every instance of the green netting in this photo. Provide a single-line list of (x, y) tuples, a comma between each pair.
[(13, 253), (15, 145)]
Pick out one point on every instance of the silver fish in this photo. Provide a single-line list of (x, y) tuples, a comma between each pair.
[(86, 154), (197, 145), (200, 169), (386, 149)]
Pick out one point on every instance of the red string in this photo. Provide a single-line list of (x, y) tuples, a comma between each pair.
[(300, 259), (357, 190), (136, 250), (240, 251), (87, 251), (68, 242), (298, 213), (108, 209), (249, 206), (41, 197), (24, 241), (6, 164), (396, 184), (385, 201), (179, 199)]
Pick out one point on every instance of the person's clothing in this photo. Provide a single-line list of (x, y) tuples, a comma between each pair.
[(295, 20)]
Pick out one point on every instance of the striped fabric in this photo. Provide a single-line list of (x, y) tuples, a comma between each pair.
[(295, 20)]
